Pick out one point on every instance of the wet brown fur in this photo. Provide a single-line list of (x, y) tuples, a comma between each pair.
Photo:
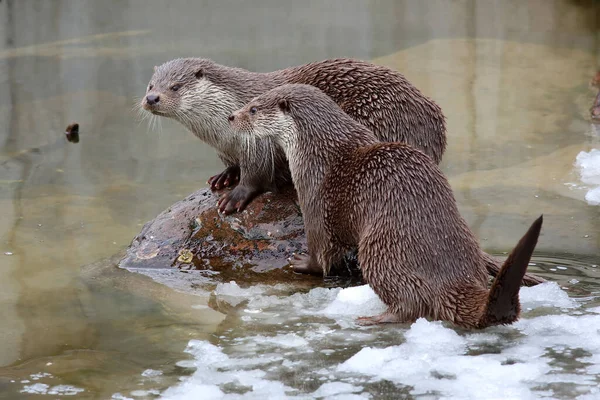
[(414, 248), (379, 98)]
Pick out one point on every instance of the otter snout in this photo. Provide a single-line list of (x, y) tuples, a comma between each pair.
[(152, 99), (239, 121), (235, 116)]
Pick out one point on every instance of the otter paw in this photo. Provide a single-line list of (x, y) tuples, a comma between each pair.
[(236, 200), (228, 178), (302, 264), (385, 318)]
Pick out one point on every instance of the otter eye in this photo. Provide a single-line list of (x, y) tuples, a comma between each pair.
[(150, 86), (175, 87), (253, 110)]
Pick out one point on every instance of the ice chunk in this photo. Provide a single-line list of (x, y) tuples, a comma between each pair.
[(547, 294), (290, 340), (61, 390), (335, 388), (214, 368), (151, 373), (593, 196), (588, 164), (36, 388), (355, 301)]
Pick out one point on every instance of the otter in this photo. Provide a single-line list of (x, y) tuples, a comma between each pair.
[(414, 248), (201, 94)]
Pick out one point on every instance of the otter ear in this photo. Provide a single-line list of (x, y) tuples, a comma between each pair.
[(284, 105), (155, 68), (199, 74)]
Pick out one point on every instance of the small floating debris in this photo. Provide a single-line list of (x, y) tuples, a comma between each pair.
[(559, 267), (573, 281), (8, 253), (72, 133)]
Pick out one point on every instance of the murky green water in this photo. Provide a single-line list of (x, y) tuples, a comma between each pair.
[(512, 79)]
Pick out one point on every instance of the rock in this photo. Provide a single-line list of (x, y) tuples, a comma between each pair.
[(248, 247)]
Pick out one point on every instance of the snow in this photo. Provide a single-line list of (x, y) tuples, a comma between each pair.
[(588, 164), (306, 346)]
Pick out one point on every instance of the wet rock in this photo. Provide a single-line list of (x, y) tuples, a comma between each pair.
[(249, 247), (252, 246)]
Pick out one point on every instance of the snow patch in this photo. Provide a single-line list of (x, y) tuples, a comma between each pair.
[(588, 164), (311, 337), (60, 390)]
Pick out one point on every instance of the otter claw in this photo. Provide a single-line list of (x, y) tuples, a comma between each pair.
[(229, 177), (236, 200)]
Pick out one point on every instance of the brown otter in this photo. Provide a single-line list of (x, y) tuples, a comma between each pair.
[(201, 94), (414, 248)]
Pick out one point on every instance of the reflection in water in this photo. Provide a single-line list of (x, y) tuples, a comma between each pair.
[(512, 78)]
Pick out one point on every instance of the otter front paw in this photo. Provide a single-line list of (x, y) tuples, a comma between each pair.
[(385, 318), (228, 178), (237, 199), (304, 264)]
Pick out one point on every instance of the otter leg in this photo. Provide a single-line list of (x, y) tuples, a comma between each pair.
[(305, 264), (259, 166), (229, 177), (237, 199), (394, 280), (323, 252), (388, 317)]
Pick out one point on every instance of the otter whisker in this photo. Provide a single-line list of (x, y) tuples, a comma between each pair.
[(151, 123), (273, 150), (141, 116), (160, 128), (137, 104), (248, 144)]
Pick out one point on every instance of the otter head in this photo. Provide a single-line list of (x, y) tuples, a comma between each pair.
[(190, 90), (274, 114)]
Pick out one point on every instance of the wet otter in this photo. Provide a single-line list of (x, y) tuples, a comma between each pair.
[(201, 94), (414, 248)]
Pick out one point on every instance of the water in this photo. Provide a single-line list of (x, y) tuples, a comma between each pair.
[(512, 79)]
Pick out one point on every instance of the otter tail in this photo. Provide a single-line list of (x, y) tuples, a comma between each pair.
[(503, 305)]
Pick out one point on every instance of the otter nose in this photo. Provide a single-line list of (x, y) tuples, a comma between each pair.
[(152, 99), (231, 118)]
